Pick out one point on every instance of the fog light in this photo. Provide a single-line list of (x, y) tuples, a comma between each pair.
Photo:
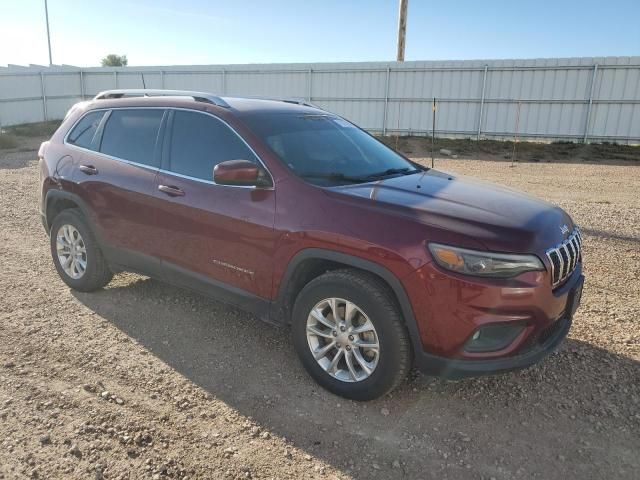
[(493, 337)]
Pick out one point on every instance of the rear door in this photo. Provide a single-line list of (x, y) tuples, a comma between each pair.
[(115, 177), (213, 235)]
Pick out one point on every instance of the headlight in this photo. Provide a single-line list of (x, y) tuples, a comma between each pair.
[(483, 264)]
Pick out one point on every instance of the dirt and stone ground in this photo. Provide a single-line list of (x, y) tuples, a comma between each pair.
[(144, 381)]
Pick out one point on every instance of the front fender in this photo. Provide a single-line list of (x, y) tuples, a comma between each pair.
[(362, 264)]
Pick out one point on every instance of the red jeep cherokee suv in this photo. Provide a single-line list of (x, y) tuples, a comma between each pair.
[(297, 215)]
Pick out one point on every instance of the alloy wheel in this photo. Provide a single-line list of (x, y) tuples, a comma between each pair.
[(343, 340), (71, 251)]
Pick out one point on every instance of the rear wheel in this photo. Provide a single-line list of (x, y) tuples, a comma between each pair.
[(76, 253), (350, 336)]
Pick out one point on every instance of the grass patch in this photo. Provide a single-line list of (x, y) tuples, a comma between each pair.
[(39, 129), (525, 151), (7, 140)]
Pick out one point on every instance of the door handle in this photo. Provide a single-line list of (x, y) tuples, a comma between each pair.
[(171, 190), (88, 169)]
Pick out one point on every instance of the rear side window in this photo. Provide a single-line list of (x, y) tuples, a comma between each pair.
[(199, 142), (85, 130), (131, 134)]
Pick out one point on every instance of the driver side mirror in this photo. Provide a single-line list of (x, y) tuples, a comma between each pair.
[(241, 173)]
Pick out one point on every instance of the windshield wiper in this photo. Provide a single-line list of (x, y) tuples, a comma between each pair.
[(394, 171), (341, 177), (336, 176)]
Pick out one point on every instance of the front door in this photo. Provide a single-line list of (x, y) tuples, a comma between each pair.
[(214, 236)]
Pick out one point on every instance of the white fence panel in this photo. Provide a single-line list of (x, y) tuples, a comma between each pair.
[(265, 83), (20, 86), (97, 82), (23, 111), (579, 99), (203, 82)]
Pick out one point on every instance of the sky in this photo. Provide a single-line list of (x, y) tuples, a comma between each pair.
[(190, 32)]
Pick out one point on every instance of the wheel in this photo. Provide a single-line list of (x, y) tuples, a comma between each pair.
[(76, 254), (350, 336)]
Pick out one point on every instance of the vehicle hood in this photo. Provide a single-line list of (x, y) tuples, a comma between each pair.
[(500, 218)]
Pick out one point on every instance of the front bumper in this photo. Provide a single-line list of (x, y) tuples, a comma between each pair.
[(455, 369), (451, 308)]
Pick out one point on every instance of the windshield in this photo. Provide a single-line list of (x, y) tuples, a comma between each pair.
[(327, 150)]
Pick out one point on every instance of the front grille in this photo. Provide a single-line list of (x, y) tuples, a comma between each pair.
[(565, 257)]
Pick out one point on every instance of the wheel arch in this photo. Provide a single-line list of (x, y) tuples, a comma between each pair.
[(310, 263), (57, 201)]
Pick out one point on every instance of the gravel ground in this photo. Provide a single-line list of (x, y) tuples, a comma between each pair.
[(142, 380)]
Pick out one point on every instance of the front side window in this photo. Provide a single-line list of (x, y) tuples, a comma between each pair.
[(327, 150), (85, 130), (199, 142), (131, 134)]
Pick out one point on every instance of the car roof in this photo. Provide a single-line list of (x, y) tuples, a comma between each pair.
[(194, 100)]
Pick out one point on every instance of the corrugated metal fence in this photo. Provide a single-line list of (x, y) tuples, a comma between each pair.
[(579, 99)]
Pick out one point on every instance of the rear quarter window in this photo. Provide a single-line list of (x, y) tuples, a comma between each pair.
[(83, 134)]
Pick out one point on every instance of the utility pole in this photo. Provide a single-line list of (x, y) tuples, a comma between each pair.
[(402, 28), (46, 14)]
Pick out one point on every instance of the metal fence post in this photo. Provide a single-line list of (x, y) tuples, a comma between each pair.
[(44, 97), (484, 84), (386, 102), (309, 84), (433, 132), (161, 78), (590, 103), (224, 82), (81, 85), (115, 79)]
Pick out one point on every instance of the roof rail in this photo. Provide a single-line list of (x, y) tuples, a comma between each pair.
[(197, 96), (294, 100), (301, 102)]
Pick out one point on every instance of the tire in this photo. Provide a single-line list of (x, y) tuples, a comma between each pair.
[(96, 272), (371, 300)]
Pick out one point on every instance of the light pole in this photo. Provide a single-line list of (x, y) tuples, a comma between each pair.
[(46, 14), (402, 28)]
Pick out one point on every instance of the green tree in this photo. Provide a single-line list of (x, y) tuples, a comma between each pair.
[(113, 60)]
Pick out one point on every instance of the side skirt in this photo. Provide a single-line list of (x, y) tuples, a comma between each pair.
[(125, 260), (216, 290)]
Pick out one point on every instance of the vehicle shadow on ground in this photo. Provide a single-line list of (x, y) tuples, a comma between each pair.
[(604, 234), (428, 428)]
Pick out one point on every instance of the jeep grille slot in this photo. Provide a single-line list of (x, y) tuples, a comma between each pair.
[(565, 257)]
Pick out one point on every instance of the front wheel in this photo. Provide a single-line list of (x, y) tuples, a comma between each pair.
[(350, 336)]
